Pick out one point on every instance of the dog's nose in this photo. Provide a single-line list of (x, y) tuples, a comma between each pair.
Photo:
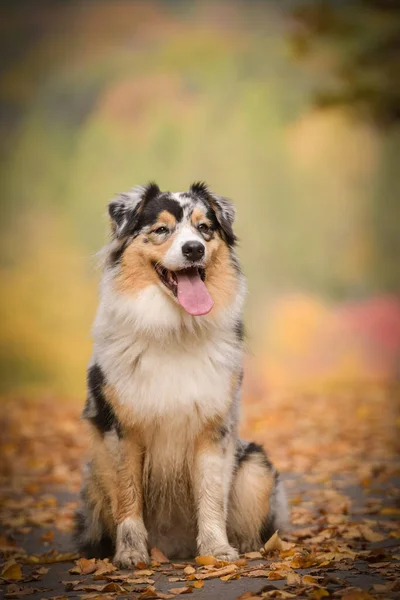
[(193, 250)]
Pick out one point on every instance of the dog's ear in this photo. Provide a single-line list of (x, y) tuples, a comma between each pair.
[(225, 213), (223, 208), (125, 208)]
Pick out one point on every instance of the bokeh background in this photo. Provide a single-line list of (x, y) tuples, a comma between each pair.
[(289, 108)]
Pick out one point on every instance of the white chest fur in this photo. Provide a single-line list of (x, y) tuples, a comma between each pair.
[(171, 377)]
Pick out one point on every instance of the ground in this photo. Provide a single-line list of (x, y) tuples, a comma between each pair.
[(336, 449)]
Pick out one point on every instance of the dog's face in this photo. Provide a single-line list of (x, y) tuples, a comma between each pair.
[(180, 241)]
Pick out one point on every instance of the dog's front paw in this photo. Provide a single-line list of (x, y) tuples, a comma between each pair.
[(127, 558), (226, 553)]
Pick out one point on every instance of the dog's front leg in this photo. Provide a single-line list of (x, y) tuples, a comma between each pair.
[(131, 538), (211, 500)]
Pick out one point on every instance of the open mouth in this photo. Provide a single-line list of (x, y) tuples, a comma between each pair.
[(188, 287)]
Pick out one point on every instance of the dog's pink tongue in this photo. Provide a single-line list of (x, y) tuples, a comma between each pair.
[(193, 295)]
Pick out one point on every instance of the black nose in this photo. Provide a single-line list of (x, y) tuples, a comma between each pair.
[(193, 250)]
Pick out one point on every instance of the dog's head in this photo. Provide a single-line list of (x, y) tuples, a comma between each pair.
[(182, 242)]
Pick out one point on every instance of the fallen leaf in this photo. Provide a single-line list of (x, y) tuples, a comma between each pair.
[(276, 575), (258, 573), (217, 573), (12, 571), (253, 555), (197, 584), (206, 560), (16, 591), (309, 580), (158, 556), (149, 592), (143, 572), (84, 566), (370, 535), (183, 590), (189, 570), (319, 593), (275, 543)]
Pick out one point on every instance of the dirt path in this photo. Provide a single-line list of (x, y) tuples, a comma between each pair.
[(345, 540)]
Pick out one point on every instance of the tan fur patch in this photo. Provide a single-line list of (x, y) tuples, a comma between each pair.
[(137, 271), (221, 278), (198, 216), (166, 218)]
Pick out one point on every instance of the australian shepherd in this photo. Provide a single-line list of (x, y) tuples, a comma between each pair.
[(167, 468)]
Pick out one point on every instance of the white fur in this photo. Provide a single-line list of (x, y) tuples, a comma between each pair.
[(174, 259), (162, 361)]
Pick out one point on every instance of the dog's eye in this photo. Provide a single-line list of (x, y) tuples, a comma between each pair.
[(161, 230), (203, 228)]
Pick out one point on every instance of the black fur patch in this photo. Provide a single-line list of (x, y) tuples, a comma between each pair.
[(200, 189), (267, 529), (239, 330), (216, 213), (223, 431), (116, 255), (151, 192), (250, 449), (105, 418), (155, 206), (103, 548)]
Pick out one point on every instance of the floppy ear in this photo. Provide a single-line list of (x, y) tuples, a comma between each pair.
[(125, 208), (225, 213), (223, 208)]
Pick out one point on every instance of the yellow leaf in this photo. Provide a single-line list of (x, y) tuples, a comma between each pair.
[(12, 570), (205, 560), (275, 543), (275, 575), (319, 593), (189, 570), (309, 580), (390, 511), (370, 535), (197, 584)]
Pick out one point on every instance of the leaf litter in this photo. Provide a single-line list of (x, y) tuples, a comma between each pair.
[(325, 443)]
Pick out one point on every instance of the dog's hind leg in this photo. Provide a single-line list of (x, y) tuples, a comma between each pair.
[(258, 503), (93, 533)]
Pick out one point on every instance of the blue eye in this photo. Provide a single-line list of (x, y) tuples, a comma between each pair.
[(161, 230)]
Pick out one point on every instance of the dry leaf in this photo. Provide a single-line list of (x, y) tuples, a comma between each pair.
[(318, 594), (253, 555), (189, 570), (258, 573), (84, 566), (12, 571), (293, 579), (206, 560), (16, 591), (217, 573), (197, 584), (370, 535), (149, 592), (275, 543), (309, 580), (276, 575), (240, 562), (183, 590), (158, 556), (143, 572)]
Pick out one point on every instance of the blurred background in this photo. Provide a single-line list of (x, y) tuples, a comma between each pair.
[(290, 108)]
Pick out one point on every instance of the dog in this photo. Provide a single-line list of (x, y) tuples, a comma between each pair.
[(167, 468)]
